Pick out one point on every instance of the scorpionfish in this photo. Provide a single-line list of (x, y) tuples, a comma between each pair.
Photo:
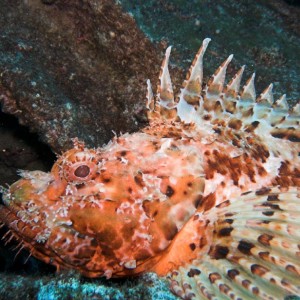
[(207, 195)]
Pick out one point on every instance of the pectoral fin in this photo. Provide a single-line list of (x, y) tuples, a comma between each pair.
[(254, 253)]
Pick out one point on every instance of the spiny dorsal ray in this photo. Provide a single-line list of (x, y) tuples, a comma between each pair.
[(280, 111), (231, 92), (190, 95), (165, 94), (248, 92), (264, 103), (216, 83), (214, 88), (233, 87), (281, 103), (192, 86), (266, 97)]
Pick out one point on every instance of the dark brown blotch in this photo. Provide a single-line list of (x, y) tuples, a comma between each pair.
[(224, 288), (209, 201), (235, 124), (263, 191), (198, 201), (213, 277), (245, 247), (207, 117), (218, 252), (271, 205), (255, 290), (170, 230), (251, 127), (266, 256), (292, 269), (228, 221), (232, 273), (223, 204), (138, 178), (246, 283), (268, 213), (193, 272), (259, 270), (203, 242), (273, 197), (265, 239), (170, 191), (290, 134), (225, 231), (192, 246)]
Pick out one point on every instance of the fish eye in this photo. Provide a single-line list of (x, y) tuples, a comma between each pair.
[(79, 166), (82, 171)]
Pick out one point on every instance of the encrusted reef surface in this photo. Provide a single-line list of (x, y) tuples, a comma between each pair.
[(78, 69), (71, 286), (73, 69)]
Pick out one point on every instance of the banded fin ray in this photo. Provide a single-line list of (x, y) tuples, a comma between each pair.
[(254, 251), (190, 95), (216, 101)]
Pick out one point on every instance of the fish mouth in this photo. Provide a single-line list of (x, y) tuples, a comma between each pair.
[(29, 187), (23, 203)]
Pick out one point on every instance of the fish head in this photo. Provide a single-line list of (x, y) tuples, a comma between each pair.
[(101, 211)]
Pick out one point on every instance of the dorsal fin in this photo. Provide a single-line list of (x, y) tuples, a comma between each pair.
[(215, 105)]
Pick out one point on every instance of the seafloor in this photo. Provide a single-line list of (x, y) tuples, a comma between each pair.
[(78, 69)]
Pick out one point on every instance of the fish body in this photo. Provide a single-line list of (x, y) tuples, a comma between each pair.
[(207, 195)]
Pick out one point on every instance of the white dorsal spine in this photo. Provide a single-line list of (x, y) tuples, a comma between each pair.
[(233, 86), (266, 97), (193, 84), (150, 97), (190, 95), (248, 92), (281, 103), (216, 83), (165, 93)]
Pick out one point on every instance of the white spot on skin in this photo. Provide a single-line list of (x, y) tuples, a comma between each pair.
[(108, 274), (131, 264), (124, 161)]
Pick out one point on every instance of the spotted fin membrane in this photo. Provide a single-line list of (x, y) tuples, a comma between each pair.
[(254, 252)]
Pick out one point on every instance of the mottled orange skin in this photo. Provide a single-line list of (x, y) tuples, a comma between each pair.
[(124, 211)]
